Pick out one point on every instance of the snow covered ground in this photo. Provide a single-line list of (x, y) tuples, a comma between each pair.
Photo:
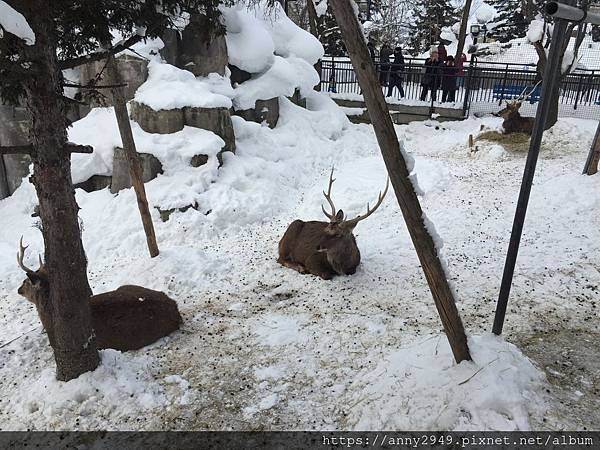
[(263, 347)]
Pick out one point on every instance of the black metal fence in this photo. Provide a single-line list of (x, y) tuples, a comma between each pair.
[(480, 87)]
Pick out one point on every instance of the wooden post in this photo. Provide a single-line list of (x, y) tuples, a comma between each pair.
[(551, 81), (135, 167), (399, 176), (591, 165)]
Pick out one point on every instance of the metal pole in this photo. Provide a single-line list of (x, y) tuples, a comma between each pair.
[(566, 12), (551, 78)]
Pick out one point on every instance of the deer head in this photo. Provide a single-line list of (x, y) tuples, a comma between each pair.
[(35, 288), (511, 110)]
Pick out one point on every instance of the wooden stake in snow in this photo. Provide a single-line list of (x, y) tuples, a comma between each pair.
[(591, 165), (399, 176), (135, 167)]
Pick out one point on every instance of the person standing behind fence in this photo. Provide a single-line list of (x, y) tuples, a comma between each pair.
[(430, 80), (442, 52), (449, 74), (384, 60), (460, 64), (397, 73)]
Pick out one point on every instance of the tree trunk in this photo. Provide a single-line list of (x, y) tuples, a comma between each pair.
[(462, 35), (399, 176), (67, 312), (135, 167), (313, 24)]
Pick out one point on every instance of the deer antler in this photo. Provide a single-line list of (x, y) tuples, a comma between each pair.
[(21, 255), (327, 195), (353, 222)]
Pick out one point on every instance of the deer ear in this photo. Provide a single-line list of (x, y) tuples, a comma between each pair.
[(36, 278), (339, 217)]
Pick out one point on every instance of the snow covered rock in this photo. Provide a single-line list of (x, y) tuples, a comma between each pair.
[(264, 111), (217, 120), (151, 167), (164, 121)]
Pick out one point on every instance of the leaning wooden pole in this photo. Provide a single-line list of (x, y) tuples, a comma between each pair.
[(399, 175), (591, 164), (133, 160)]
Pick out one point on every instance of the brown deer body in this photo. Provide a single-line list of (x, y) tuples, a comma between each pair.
[(324, 249), (514, 122), (127, 318)]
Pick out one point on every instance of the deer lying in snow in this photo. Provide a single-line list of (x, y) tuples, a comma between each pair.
[(324, 249), (513, 121), (128, 318)]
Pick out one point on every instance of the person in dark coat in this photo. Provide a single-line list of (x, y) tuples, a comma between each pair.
[(397, 73), (449, 75), (442, 52), (371, 48), (384, 60), (431, 76)]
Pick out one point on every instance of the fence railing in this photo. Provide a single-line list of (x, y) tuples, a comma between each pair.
[(480, 87)]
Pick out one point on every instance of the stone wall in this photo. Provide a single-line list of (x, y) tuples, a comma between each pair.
[(14, 130), (133, 71)]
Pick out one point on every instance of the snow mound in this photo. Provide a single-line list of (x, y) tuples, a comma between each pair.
[(121, 386), (14, 22), (281, 79), (180, 184), (249, 45), (278, 54), (535, 33), (289, 38), (169, 87), (420, 387)]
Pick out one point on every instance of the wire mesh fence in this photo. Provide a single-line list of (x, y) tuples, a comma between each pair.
[(480, 88)]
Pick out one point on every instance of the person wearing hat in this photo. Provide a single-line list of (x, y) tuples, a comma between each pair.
[(431, 75), (397, 73)]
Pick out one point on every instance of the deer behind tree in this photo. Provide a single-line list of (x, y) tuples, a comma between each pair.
[(127, 318), (324, 249), (514, 122)]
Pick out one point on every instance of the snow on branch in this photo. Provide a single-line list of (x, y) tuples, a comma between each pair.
[(13, 22)]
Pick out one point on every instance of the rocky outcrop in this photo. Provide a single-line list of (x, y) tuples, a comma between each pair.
[(263, 111), (217, 120), (151, 167), (133, 72), (202, 49), (165, 121)]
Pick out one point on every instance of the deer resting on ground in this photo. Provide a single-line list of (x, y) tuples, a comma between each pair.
[(127, 318), (514, 122), (324, 249)]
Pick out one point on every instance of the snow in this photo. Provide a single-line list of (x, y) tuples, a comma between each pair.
[(485, 13), (263, 347), (281, 79), (249, 45), (535, 32), (13, 22), (321, 7), (169, 87), (305, 351), (472, 398), (289, 39), (174, 151)]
